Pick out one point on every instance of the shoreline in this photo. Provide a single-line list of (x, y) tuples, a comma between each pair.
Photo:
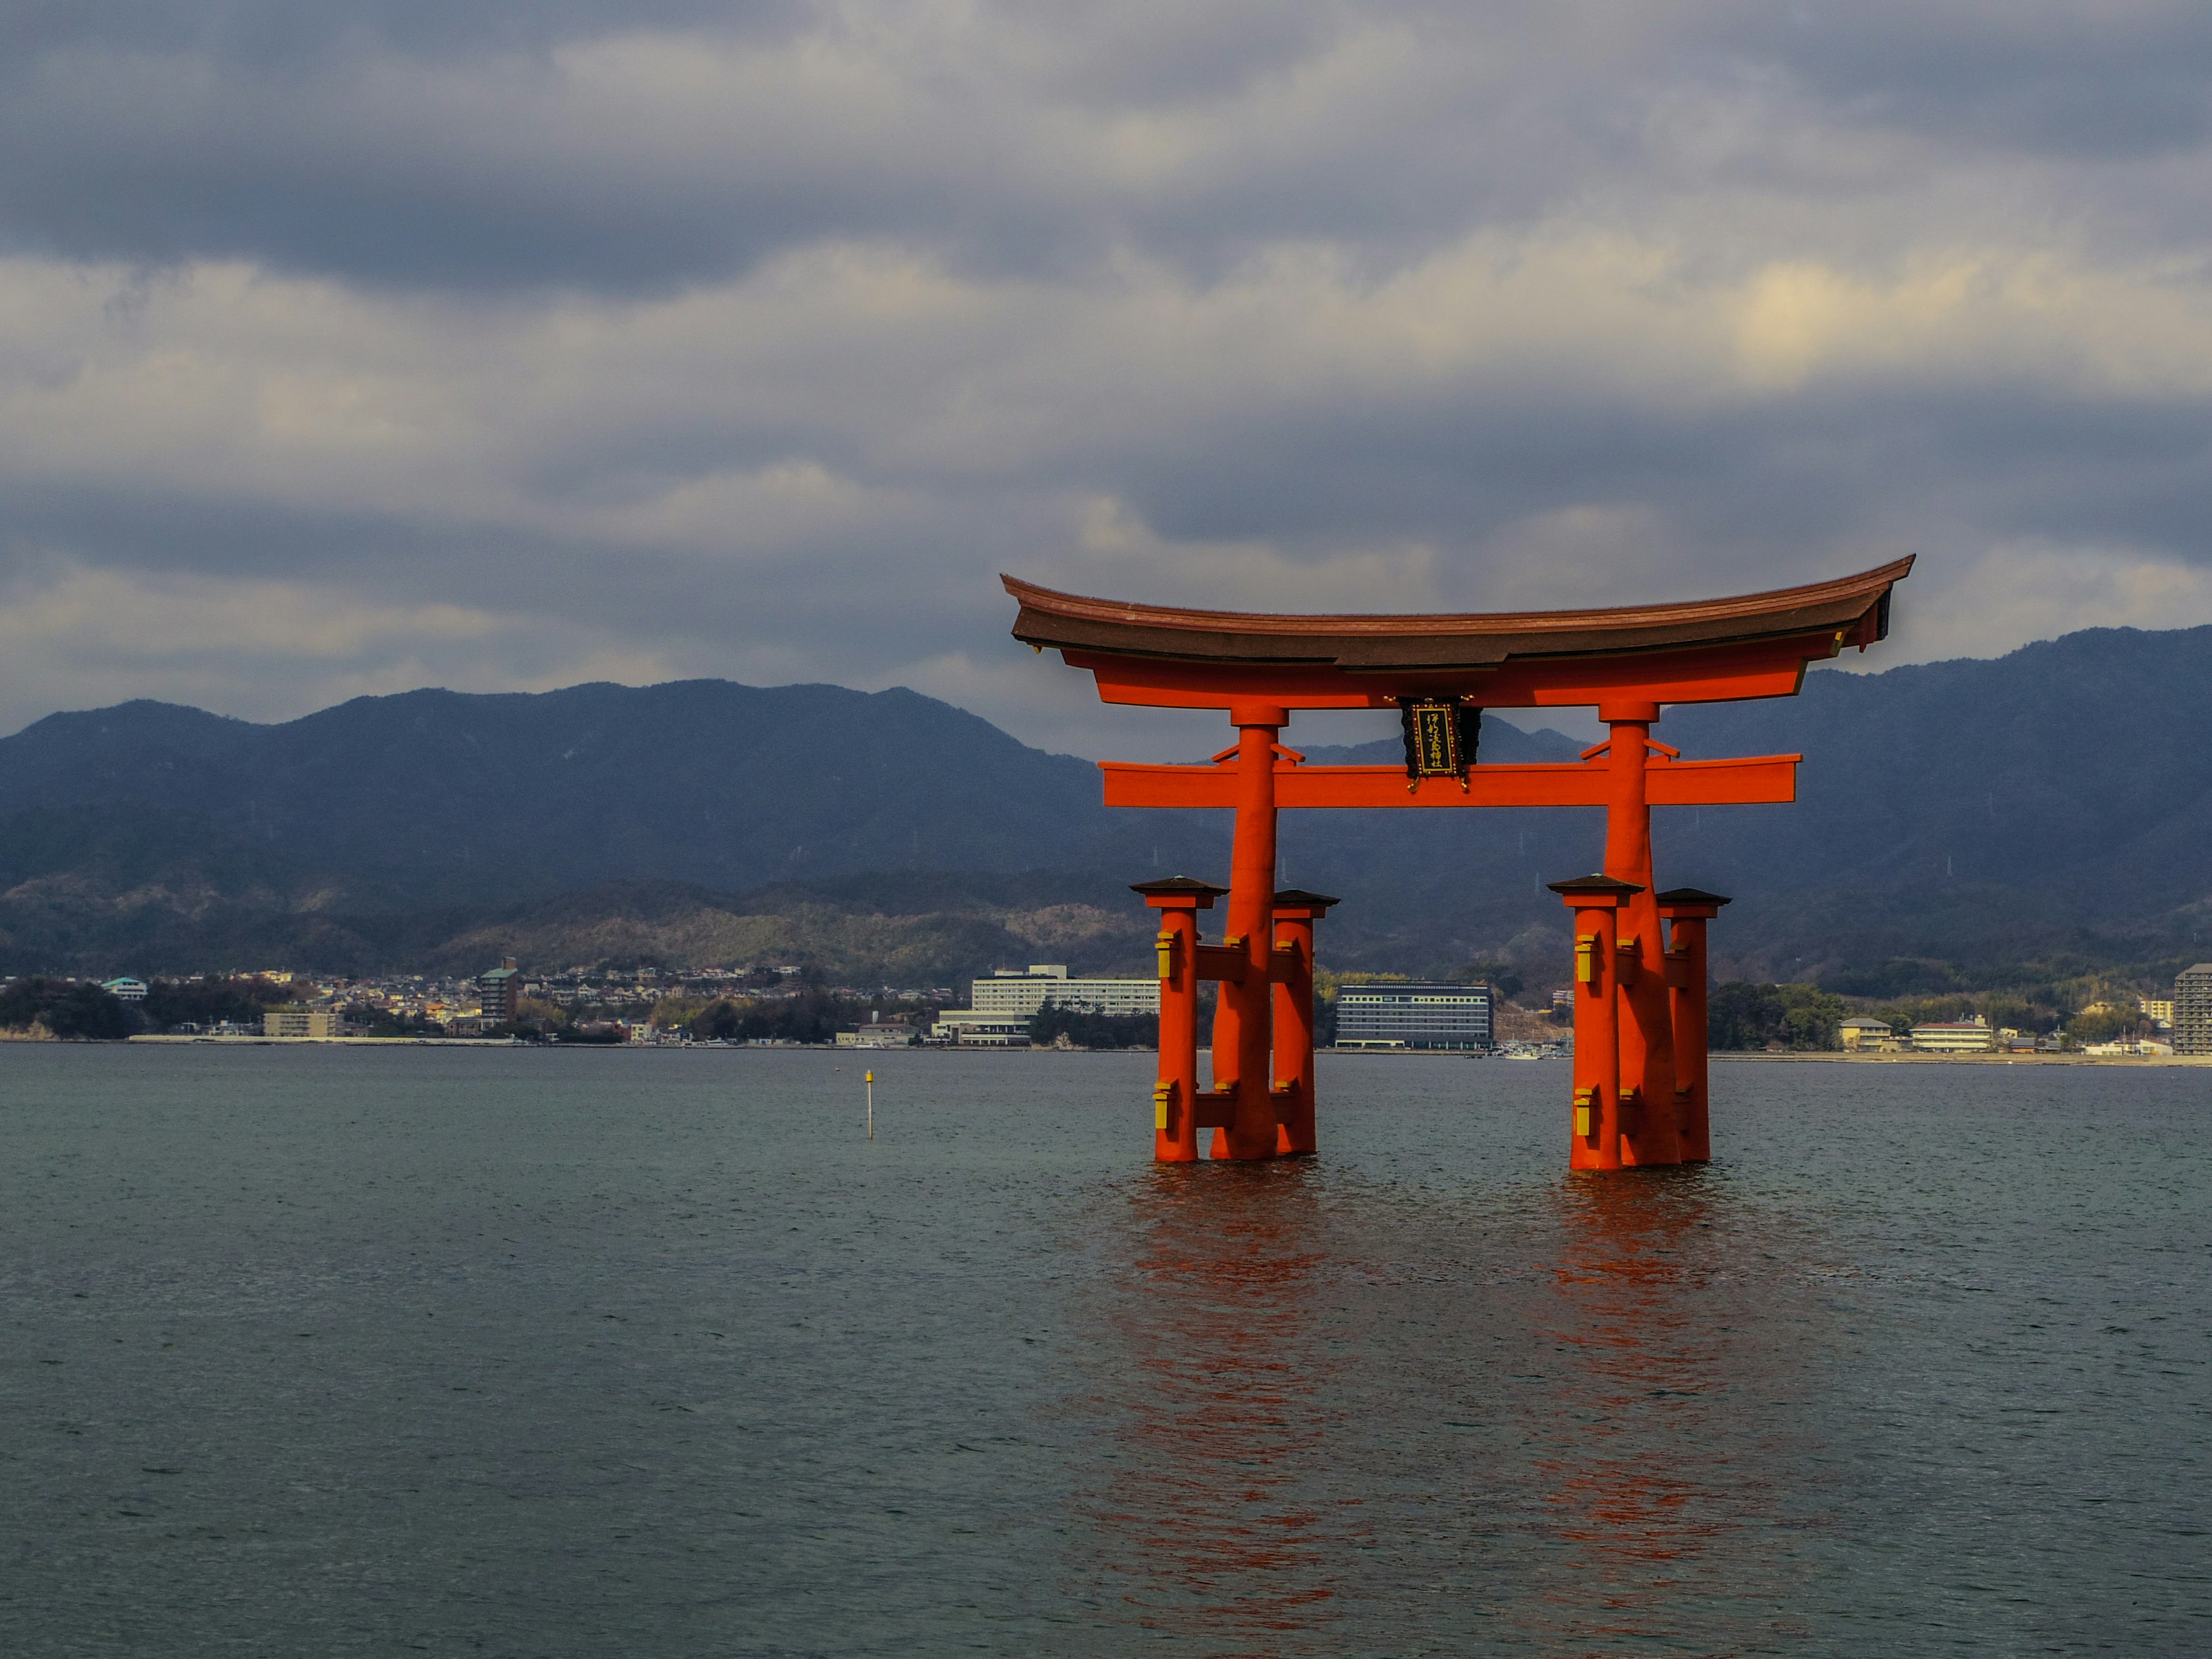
[(1832, 1056), (1798, 1057), (347, 1042)]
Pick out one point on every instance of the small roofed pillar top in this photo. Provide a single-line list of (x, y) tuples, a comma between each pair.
[(1690, 903), (1295, 904), (1179, 893), (1595, 892)]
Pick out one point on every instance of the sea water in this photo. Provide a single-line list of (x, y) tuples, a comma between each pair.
[(345, 1351)]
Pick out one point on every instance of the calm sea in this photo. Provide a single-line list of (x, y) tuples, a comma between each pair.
[(334, 1351)]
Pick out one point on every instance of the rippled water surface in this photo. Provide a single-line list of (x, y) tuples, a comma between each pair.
[(347, 1350)]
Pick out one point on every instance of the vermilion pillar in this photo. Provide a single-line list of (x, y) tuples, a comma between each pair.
[(1296, 912), (1686, 910), (1595, 1141), (1242, 1041), (1174, 1097), (1647, 1028)]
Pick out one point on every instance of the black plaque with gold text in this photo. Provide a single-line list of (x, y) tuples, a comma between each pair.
[(1441, 734)]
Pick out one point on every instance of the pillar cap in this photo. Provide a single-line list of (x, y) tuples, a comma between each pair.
[(1594, 892), (1296, 898), (1687, 898), (1594, 885), (1176, 892)]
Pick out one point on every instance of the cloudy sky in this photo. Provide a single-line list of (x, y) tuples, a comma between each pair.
[(348, 349)]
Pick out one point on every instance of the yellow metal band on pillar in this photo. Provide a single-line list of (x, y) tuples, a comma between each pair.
[(1163, 1097), (1165, 945), (1586, 959)]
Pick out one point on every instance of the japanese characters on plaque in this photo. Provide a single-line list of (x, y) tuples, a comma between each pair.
[(1441, 736)]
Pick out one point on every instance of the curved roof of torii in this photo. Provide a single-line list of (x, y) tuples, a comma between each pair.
[(1857, 607)]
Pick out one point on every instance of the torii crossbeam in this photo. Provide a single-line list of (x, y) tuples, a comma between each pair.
[(1639, 1075)]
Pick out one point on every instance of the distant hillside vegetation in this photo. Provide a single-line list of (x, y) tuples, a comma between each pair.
[(1953, 818)]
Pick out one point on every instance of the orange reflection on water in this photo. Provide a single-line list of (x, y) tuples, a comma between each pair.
[(1412, 1420), (1649, 1465), (1208, 1511)]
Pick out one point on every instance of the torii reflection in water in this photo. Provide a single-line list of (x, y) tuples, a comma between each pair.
[(1333, 1414)]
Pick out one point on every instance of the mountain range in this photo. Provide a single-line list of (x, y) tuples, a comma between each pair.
[(1953, 817)]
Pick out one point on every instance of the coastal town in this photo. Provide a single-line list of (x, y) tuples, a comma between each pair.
[(784, 1005)]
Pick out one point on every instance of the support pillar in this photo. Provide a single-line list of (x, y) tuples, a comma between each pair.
[(1686, 911), (1647, 1029), (1596, 1134), (1244, 1016), (1175, 1096), (1296, 912)]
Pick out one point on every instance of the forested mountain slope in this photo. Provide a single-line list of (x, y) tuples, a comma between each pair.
[(2047, 801)]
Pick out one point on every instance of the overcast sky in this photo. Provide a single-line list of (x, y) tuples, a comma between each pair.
[(349, 349)]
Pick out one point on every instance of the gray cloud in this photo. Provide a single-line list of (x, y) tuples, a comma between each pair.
[(638, 147), (344, 347), (2099, 83)]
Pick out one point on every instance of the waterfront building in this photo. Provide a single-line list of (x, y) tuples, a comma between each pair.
[(971, 1028), (1963, 1036), (1020, 992), (1859, 1034), (297, 1022), (501, 991), (2193, 1009), (880, 1034), (126, 989), (1404, 1014)]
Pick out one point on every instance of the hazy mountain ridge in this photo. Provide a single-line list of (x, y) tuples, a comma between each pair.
[(1967, 809), (445, 796)]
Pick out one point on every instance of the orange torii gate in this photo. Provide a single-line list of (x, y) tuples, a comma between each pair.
[(1639, 1074)]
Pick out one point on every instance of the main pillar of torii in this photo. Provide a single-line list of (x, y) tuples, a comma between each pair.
[(1640, 1037)]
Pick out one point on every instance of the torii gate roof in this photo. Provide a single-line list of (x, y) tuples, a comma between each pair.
[(1754, 645), (1855, 606)]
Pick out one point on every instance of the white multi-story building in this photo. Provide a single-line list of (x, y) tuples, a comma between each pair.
[(1398, 1014), (1963, 1036), (1004, 1004), (2193, 1009), (971, 1029), (1019, 993)]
